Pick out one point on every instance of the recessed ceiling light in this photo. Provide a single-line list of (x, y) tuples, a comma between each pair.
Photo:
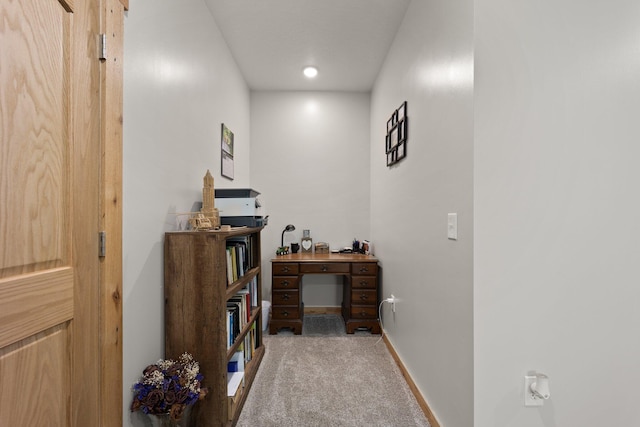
[(310, 72)]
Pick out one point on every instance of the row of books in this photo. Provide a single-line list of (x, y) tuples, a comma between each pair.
[(249, 345), (236, 367), (239, 310), (239, 257), (244, 353), (235, 382)]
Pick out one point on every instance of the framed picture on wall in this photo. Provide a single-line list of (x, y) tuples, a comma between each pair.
[(396, 138), (227, 165), (402, 130), (227, 140), (393, 138), (226, 152), (400, 152), (401, 111)]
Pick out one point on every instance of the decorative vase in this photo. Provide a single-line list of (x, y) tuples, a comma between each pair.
[(164, 420), (161, 420)]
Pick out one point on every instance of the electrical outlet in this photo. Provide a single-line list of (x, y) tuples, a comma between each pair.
[(393, 303), (529, 398)]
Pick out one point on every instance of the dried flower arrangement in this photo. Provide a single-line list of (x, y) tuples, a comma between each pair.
[(168, 387)]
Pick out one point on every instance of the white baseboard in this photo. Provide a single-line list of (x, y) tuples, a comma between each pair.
[(412, 385)]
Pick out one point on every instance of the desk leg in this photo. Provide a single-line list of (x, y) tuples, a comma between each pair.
[(294, 325), (371, 325)]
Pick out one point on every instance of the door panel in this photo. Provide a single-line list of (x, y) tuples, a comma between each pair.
[(22, 364), (35, 302), (36, 216), (60, 305), (35, 123)]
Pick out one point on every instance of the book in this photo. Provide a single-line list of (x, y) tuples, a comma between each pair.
[(246, 295), (229, 332), (245, 243), (229, 267), (234, 379), (234, 264)]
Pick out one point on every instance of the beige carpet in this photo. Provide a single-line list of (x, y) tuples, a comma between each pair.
[(329, 381)]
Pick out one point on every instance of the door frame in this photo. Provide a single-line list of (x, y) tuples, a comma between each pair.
[(111, 81), (97, 385)]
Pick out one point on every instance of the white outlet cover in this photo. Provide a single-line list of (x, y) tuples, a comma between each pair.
[(529, 398)]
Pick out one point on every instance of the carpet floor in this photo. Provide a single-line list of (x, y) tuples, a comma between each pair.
[(329, 380)]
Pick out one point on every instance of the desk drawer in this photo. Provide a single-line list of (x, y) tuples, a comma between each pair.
[(285, 282), (325, 267), (289, 297), (364, 312), (362, 282), (284, 268), (285, 313), (364, 268), (364, 297)]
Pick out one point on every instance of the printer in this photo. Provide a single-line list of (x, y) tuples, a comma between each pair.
[(239, 207)]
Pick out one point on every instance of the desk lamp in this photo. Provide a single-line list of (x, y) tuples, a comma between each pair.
[(289, 227)]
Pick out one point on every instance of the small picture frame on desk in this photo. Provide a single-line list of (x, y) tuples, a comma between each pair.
[(367, 247)]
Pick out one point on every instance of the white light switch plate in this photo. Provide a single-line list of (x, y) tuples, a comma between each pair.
[(452, 226)]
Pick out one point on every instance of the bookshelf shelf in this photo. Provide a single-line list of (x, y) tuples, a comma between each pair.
[(233, 288), (255, 313), (201, 306)]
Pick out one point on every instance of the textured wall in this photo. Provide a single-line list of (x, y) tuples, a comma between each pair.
[(556, 246), (430, 65), (310, 161), (180, 84)]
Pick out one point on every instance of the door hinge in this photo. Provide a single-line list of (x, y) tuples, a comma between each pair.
[(103, 46), (102, 244)]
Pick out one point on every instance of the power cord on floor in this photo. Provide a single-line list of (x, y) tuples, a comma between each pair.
[(389, 300), (380, 321)]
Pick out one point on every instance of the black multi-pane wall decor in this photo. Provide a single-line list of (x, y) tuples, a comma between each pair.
[(396, 141)]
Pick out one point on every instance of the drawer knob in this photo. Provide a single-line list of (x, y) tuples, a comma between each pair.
[(363, 269), (285, 269), (363, 283), (285, 313), (363, 314), (325, 268), (363, 297), (285, 283), (285, 297)]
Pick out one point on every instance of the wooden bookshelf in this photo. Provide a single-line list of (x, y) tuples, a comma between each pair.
[(197, 289)]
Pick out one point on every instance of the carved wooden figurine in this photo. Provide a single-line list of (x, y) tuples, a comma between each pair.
[(209, 210)]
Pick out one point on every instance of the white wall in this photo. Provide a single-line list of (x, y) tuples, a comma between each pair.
[(556, 208), (546, 206), (180, 84), (430, 65), (310, 161)]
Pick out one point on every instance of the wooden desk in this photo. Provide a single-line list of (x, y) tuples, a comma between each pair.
[(359, 294)]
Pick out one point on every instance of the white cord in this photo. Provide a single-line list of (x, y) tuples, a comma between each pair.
[(380, 320)]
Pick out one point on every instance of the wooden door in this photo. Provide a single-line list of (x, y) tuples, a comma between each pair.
[(54, 295)]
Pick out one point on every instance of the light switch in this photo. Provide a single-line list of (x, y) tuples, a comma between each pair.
[(452, 226)]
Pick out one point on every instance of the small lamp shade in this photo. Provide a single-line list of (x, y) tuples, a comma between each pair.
[(289, 227)]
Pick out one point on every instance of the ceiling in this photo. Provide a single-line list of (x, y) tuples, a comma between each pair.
[(272, 40)]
